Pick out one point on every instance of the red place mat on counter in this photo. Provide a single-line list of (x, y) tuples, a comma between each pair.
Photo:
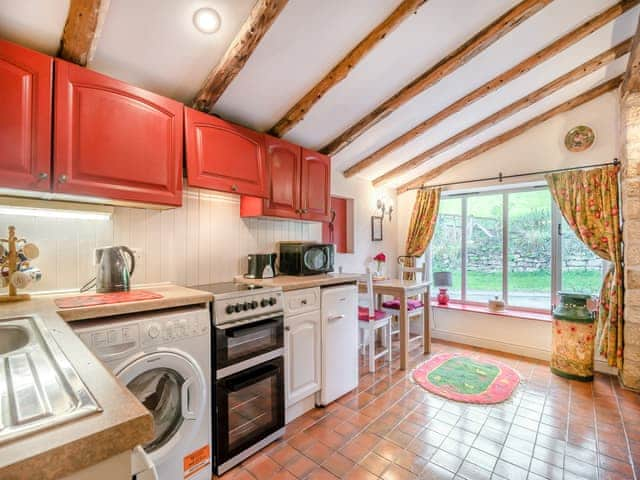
[(106, 298)]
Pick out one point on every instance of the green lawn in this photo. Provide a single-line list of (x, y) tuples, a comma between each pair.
[(588, 281)]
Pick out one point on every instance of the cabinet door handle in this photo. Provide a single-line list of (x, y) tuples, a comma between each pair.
[(303, 302), (234, 188), (62, 178), (287, 328), (335, 317), (43, 176)]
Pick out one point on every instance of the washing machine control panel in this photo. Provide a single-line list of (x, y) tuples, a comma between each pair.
[(121, 336)]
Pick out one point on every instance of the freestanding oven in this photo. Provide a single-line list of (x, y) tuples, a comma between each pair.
[(248, 360)]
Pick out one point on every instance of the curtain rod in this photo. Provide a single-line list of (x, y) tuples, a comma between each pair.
[(501, 177)]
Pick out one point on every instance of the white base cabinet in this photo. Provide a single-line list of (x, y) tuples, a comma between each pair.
[(302, 356)]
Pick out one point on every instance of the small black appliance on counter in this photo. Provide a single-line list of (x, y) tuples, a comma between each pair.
[(306, 258), (261, 265)]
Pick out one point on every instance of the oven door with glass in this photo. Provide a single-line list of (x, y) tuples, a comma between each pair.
[(236, 343), (250, 407)]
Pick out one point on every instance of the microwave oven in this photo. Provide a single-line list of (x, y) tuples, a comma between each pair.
[(306, 258)]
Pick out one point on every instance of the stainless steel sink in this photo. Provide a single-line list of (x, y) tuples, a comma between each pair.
[(12, 338), (39, 388)]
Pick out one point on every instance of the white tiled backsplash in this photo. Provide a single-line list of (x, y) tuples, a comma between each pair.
[(204, 241)]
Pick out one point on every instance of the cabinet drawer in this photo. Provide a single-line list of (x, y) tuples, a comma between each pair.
[(299, 301)]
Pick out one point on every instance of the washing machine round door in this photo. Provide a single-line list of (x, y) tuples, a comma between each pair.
[(173, 389)]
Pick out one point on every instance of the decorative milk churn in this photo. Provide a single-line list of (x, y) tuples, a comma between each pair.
[(573, 338)]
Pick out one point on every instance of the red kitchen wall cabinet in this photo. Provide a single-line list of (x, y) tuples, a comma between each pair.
[(315, 186), (336, 232), (25, 118), (299, 184), (114, 140), (223, 156), (284, 179)]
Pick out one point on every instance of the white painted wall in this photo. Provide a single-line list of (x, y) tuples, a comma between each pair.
[(540, 148), (201, 242), (365, 197)]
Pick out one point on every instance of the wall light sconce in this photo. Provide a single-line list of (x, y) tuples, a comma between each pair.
[(382, 209)]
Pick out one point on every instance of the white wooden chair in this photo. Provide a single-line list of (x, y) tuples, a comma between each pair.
[(415, 307), (370, 320)]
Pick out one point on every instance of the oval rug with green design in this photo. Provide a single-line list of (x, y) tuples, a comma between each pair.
[(467, 379)]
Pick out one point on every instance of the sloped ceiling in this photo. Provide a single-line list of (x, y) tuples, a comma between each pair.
[(153, 44)]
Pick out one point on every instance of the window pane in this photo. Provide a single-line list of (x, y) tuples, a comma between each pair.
[(484, 247), (446, 246), (529, 276), (582, 270)]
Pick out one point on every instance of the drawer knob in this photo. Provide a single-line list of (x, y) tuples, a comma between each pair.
[(43, 176), (303, 302), (287, 328), (234, 188), (62, 178)]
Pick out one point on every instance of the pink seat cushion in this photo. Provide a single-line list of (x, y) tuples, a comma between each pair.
[(363, 314), (395, 304)]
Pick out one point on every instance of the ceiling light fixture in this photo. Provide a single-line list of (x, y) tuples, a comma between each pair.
[(207, 20)]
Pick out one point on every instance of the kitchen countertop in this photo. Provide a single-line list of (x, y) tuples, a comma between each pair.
[(123, 423), (291, 282)]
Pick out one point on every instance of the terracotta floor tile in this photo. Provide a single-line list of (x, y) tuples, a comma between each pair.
[(338, 464), (471, 471), (318, 452), (375, 464), (395, 472), (261, 466), (285, 454), (321, 474), (446, 460), (510, 471), (301, 466), (435, 472), (359, 473)]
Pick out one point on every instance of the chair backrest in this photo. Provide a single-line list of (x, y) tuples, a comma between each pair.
[(422, 270), (369, 295)]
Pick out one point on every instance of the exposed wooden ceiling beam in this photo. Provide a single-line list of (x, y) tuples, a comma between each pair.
[(81, 30), (523, 67), (339, 72), (577, 73), (260, 19), (631, 82), (472, 47), (514, 132)]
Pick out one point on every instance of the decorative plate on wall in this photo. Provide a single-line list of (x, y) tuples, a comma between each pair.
[(579, 138)]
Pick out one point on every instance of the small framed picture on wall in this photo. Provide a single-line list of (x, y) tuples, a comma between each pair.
[(376, 229)]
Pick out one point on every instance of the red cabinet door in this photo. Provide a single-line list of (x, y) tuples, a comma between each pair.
[(25, 118), (283, 162), (114, 140), (315, 186), (223, 156)]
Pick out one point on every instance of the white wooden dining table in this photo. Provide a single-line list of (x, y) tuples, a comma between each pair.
[(403, 290)]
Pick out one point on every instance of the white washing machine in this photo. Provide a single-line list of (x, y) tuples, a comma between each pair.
[(164, 359)]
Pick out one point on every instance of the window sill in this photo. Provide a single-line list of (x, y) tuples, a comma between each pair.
[(461, 307)]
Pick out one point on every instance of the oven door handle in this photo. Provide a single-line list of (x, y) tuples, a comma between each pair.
[(186, 395), (250, 377), (238, 332)]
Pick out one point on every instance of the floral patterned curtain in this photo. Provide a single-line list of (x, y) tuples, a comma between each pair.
[(588, 200), (423, 223)]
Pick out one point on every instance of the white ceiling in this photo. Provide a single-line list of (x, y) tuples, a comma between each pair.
[(153, 44)]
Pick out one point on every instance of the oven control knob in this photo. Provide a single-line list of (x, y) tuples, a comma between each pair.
[(238, 307), (230, 309), (153, 331), (245, 306), (272, 301), (264, 302), (253, 305)]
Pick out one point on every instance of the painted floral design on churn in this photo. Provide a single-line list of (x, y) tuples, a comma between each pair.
[(573, 338)]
